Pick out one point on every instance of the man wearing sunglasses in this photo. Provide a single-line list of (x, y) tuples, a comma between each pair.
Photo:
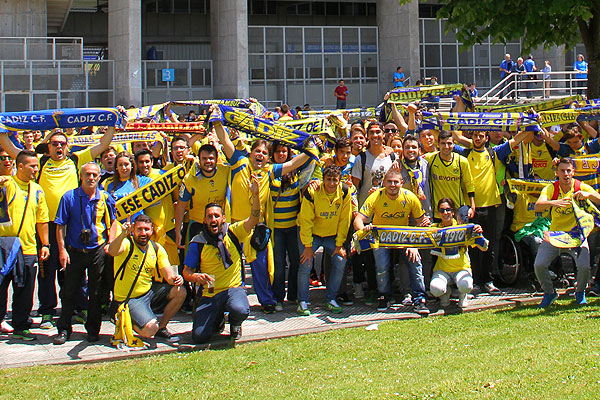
[(58, 173)]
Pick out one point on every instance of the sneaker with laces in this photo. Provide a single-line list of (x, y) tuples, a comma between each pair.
[(548, 299), (25, 335), (580, 298), (165, 334), (303, 309), (345, 299), (371, 298), (407, 300), (491, 289), (47, 322), (421, 309), (382, 303), (334, 307), (279, 306), (5, 327), (359, 292)]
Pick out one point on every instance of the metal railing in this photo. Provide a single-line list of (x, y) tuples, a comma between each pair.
[(35, 85), (41, 48), (185, 80), (534, 84)]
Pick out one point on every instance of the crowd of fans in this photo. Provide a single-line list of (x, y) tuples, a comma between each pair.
[(265, 205)]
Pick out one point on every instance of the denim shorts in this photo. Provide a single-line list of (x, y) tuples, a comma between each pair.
[(142, 309)]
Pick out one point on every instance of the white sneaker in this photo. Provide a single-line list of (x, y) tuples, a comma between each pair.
[(407, 300), (5, 327), (359, 293), (462, 300)]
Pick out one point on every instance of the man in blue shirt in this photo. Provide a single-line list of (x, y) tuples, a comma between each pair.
[(581, 66), (399, 78), (529, 67), (506, 67), (83, 220)]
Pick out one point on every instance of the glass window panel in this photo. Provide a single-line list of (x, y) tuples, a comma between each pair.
[(314, 67), (497, 54), (274, 38), (482, 55), (420, 31), (304, 9), (275, 67), (432, 55), (276, 91), (332, 40), (466, 76), (332, 8), (45, 77), (350, 40), (465, 57), (258, 7), (99, 99), (256, 43), (257, 90), (293, 40), (482, 77), (180, 6), (368, 40), (360, 8), (318, 8), (514, 50), (448, 37), (295, 69), (295, 92), (449, 76), (72, 99), (346, 9), (449, 56), (198, 6), (314, 93), (351, 66), (370, 94), (257, 65), (372, 9), (43, 101), (164, 6), (333, 66), (19, 102), (369, 65), (16, 76), (431, 29), (312, 40)]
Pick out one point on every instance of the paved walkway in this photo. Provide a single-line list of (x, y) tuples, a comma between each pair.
[(16, 353)]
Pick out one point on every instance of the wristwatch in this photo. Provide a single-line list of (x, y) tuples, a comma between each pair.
[(46, 246)]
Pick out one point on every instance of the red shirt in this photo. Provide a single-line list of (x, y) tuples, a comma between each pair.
[(341, 91)]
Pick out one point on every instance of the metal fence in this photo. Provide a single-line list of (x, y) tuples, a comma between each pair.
[(35, 85), (41, 48), (164, 80)]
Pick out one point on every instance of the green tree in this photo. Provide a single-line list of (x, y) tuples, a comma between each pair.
[(538, 23)]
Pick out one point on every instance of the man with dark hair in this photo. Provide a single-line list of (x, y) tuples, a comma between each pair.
[(205, 183), (107, 160), (137, 261), (399, 78), (59, 173), (83, 221), (560, 196), (341, 92), (29, 213), (324, 221), (214, 260)]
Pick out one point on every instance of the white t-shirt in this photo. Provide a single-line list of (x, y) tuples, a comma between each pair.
[(375, 169)]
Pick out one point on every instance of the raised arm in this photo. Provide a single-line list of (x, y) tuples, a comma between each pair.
[(116, 246), (228, 146), (96, 150), (9, 146), (254, 217)]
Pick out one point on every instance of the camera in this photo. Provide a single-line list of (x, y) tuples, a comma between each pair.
[(85, 236)]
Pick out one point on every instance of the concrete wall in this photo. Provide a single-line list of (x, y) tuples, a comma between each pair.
[(124, 46), (23, 18), (398, 41), (229, 48)]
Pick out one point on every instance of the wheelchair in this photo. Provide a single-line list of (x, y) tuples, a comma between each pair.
[(515, 266)]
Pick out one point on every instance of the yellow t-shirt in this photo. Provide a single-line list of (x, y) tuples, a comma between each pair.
[(162, 212), (563, 218), (524, 212), (463, 262), (385, 211), (452, 180), (200, 190), (323, 214), (37, 212), (58, 177), (155, 261), (211, 263), (542, 161), (484, 178)]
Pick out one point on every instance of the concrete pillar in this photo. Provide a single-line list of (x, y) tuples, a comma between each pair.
[(398, 41), (124, 47), (23, 18), (229, 48)]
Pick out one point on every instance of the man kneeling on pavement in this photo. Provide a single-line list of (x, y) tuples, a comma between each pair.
[(214, 260), (133, 250)]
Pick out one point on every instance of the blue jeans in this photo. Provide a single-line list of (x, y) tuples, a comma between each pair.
[(285, 241), (415, 273), (337, 269), (210, 312)]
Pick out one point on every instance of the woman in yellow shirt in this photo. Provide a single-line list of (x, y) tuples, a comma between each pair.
[(454, 266)]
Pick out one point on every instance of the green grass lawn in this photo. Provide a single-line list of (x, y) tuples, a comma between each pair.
[(509, 354)]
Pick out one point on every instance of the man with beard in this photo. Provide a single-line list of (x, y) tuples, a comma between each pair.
[(214, 260), (135, 254)]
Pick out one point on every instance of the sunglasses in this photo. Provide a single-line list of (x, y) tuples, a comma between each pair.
[(5, 158), (445, 210), (390, 130), (58, 144)]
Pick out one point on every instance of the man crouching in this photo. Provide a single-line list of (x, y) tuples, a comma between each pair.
[(214, 260), (137, 261)]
